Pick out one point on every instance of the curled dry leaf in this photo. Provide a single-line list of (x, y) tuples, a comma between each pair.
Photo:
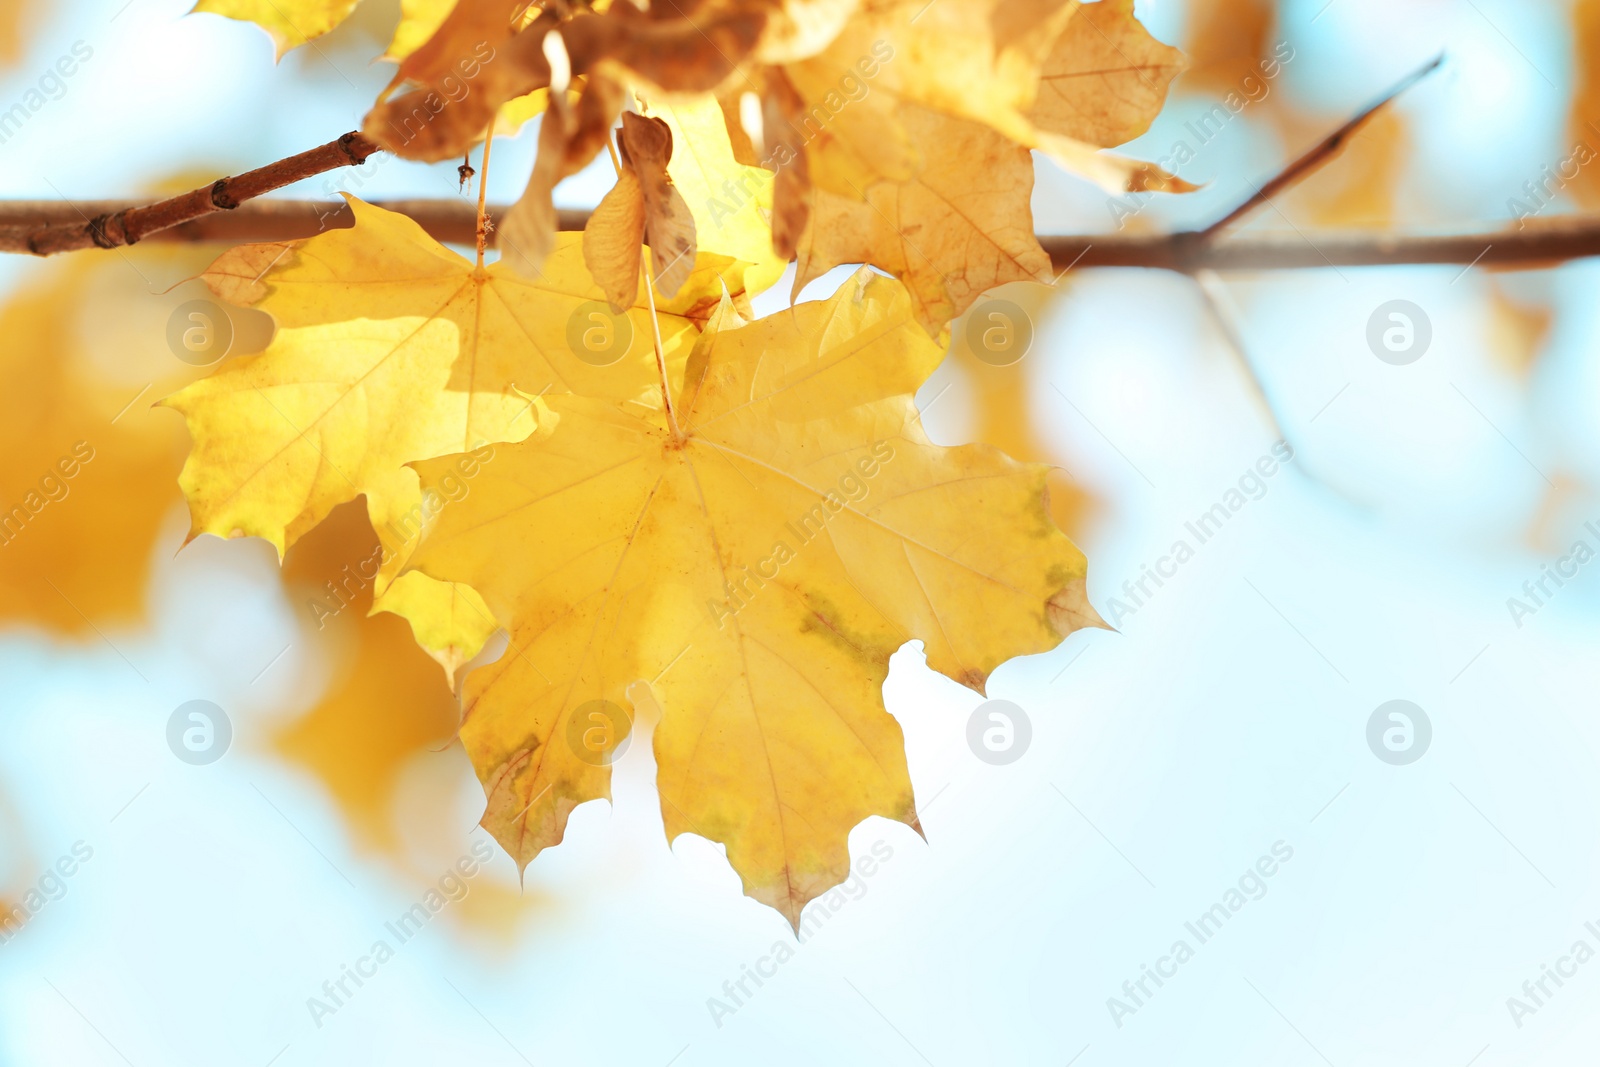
[(456, 82), (611, 239), (644, 207), (754, 554), (569, 138), (484, 56)]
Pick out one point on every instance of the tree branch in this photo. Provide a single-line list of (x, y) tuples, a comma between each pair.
[(218, 212), (1319, 153), (1534, 243), (45, 229)]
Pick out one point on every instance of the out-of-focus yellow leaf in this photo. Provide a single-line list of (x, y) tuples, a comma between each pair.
[(17, 18), (290, 23), (419, 20), (1356, 188), (385, 714), (386, 703), (1518, 327), (1226, 39), (1584, 124)]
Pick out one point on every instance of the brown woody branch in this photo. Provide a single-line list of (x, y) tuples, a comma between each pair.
[(45, 229), (218, 212), (1534, 244)]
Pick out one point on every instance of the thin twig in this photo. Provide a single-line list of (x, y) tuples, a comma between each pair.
[(481, 222), (80, 227), (1319, 154)]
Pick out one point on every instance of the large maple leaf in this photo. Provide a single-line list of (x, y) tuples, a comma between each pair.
[(754, 552)]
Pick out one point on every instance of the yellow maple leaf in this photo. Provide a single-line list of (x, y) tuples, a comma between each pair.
[(391, 348), (916, 124), (290, 23), (960, 226), (1105, 78), (754, 552), (977, 61)]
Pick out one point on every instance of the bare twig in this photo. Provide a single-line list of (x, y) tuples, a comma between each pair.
[(1319, 154), (127, 225)]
